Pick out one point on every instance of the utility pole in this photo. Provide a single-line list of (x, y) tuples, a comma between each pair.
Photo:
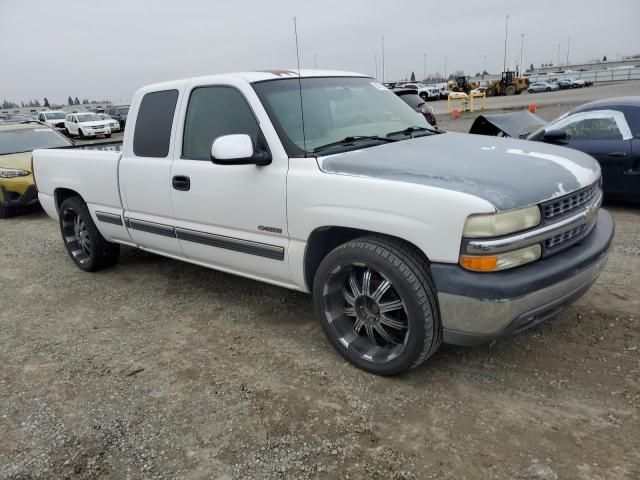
[(375, 61), (521, 48), (383, 59), (568, 47), (506, 32), (424, 66), (445, 68)]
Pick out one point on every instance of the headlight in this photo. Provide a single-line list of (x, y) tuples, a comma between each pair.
[(497, 224), (427, 109), (13, 172), (501, 261)]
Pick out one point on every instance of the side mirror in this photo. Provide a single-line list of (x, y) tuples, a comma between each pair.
[(237, 149), (557, 136)]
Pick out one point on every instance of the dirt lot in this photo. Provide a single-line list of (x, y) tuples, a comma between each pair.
[(160, 369)]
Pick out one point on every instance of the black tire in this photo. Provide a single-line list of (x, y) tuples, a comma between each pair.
[(7, 212), (90, 256), (410, 283), (80, 134), (548, 89), (510, 90), (530, 91), (107, 135), (424, 96)]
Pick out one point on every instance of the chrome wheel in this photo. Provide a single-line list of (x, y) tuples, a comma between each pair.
[(365, 312), (76, 235)]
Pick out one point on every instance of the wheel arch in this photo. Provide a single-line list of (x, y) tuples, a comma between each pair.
[(61, 194), (324, 239)]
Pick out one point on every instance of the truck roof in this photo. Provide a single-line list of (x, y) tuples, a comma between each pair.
[(257, 76)]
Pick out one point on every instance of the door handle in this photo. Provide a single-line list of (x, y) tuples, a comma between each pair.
[(180, 182), (617, 154)]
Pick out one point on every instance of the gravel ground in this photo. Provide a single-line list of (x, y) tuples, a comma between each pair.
[(158, 369)]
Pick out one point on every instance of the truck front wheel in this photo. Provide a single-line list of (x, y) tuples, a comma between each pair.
[(86, 246), (377, 304)]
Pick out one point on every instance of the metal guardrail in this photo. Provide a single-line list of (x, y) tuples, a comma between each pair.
[(593, 75)]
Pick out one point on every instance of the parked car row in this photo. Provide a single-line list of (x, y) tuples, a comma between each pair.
[(554, 85)]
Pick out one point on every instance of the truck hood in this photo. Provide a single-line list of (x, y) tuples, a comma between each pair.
[(506, 172)]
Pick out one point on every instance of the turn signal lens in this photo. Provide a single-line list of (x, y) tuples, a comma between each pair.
[(502, 261), (479, 264)]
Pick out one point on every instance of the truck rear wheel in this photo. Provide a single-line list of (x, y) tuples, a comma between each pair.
[(510, 90), (377, 304), (86, 246)]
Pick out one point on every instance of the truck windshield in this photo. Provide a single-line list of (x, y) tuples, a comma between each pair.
[(27, 139), (335, 108)]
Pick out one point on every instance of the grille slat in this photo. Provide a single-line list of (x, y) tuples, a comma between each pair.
[(570, 202), (566, 236)]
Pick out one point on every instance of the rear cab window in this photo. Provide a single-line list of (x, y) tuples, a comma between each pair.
[(152, 133)]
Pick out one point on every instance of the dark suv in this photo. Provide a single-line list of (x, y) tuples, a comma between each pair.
[(119, 113)]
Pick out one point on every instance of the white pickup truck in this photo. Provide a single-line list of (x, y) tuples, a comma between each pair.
[(327, 182)]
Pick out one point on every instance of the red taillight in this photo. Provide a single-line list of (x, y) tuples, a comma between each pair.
[(33, 173)]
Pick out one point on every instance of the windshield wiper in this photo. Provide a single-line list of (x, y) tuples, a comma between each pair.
[(348, 141), (410, 131)]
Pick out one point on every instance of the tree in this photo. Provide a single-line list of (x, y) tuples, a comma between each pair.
[(69, 101), (36, 103), (477, 75), (531, 68), (46, 103), (85, 101), (76, 101), (604, 59), (413, 76)]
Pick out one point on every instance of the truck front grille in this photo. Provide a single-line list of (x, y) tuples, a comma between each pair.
[(571, 202), (563, 238)]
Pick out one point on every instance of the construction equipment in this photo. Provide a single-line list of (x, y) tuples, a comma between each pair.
[(462, 84), (509, 84)]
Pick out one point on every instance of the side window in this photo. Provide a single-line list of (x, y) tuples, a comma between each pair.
[(153, 124), (213, 112), (41, 117), (594, 125), (593, 129)]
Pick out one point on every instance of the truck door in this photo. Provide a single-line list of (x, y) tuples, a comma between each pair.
[(145, 171), (230, 217)]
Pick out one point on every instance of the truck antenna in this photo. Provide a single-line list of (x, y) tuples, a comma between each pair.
[(304, 137)]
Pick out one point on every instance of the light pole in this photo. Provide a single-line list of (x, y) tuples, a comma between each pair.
[(375, 61), (568, 47), (383, 59), (445, 68), (558, 54), (506, 32), (521, 48), (315, 61), (424, 66)]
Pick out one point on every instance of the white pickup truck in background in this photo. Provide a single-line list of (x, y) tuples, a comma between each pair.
[(328, 183)]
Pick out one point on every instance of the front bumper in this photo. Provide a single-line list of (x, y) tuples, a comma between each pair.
[(476, 308), (15, 195)]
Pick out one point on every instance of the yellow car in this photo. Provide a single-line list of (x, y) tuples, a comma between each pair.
[(17, 141)]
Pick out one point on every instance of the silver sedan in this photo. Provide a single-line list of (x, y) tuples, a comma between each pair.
[(542, 87)]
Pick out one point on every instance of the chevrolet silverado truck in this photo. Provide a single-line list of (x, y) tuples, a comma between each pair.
[(326, 182)]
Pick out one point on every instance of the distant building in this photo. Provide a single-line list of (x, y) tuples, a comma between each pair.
[(66, 108)]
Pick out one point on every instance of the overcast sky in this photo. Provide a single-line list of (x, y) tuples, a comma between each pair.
[(61, 48)]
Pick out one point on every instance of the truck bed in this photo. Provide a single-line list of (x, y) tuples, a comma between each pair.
[(91, 170)]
